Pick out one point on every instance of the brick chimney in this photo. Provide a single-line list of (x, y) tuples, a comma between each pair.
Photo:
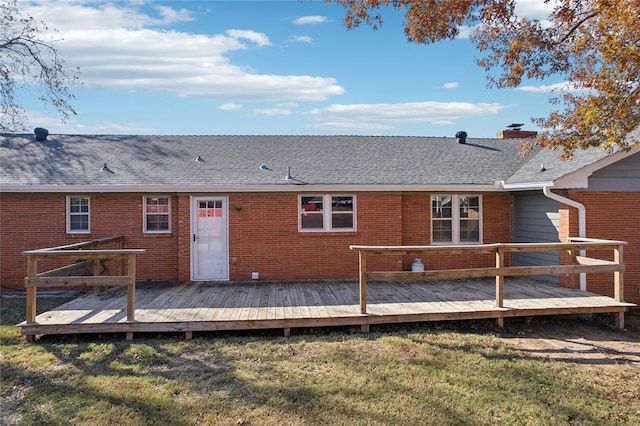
[(516, 134), (514, 131)]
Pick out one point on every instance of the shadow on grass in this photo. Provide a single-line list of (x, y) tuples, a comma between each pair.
[(437, 373)]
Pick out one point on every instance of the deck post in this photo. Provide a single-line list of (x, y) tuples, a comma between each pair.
[(618, 283), (32, 271), (131, 288), (499, 278), (572, 261), (618, 279), (362, 256), (120, 265), (96, 268)]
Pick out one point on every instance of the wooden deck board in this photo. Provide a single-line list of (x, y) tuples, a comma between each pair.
[(201, 306), (253, 300), (217, 302)]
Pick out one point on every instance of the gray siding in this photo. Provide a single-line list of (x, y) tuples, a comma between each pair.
[(624, 175), (535, 221)]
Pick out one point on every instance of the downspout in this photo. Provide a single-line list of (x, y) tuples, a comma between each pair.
[(582, 223)]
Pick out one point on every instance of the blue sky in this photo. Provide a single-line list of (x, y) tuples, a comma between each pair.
[(269, 67)]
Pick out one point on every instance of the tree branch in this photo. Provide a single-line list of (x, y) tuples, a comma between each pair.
[(577, 25)]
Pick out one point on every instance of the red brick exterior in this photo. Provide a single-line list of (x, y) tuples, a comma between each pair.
[(416, 230), (33, 221), (516, 134), (263, 234), (612, 216)]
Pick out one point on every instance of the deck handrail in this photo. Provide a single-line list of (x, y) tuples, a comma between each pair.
[(577, 265), (82, 258), (118, 239)]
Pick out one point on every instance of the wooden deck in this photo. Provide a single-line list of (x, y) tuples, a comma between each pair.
[(209, 306)]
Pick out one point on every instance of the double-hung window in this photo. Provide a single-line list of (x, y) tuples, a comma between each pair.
[(157, 215), (456, 219), (78, 215), (327, 213)]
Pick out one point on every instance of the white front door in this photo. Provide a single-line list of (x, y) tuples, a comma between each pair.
[(209, 248)]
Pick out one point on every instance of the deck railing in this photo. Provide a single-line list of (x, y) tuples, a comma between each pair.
[(577, 264), (84, 255)]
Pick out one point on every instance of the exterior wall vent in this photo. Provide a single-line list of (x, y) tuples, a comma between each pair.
[(41, 134), (461, 136)]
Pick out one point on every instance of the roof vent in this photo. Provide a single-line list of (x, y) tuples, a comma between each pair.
[(41, 134), (461, 136), (106, 168), (199, 159), (288, 177)]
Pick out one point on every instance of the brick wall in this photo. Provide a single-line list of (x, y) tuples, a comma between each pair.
[(264, 237), (183, 223), (263, 234), (416, 230), (33, 221), (611, 216)]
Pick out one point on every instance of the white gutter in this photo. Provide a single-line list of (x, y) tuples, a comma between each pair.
[(582, 223), (582, 211), (546, 190), (284, 187)]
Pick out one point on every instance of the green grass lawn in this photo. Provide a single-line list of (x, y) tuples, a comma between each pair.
[(422, 374)]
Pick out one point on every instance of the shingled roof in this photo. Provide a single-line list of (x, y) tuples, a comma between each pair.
[(75, 161)]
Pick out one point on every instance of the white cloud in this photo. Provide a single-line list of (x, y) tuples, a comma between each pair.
[(170, 15), (549, 88), (272, 111), (466, 31), (312, 19), (385, 116), (118, 48), (450, 85), (72, 126), (530, 9), (107, 127), (349, 127), (301, 39), (534, 9), (76, 15), (258, 38), (282, 108), (230, 107)]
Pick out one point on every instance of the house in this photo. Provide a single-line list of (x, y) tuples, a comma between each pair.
[(288, 207)]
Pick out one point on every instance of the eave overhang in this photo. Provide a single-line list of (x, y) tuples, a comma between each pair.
[(525, 186), (293, 188)]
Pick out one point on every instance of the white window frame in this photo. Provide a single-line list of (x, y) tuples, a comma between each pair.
[(327, 213), (145, 213), (456, 219), (70, 213)]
